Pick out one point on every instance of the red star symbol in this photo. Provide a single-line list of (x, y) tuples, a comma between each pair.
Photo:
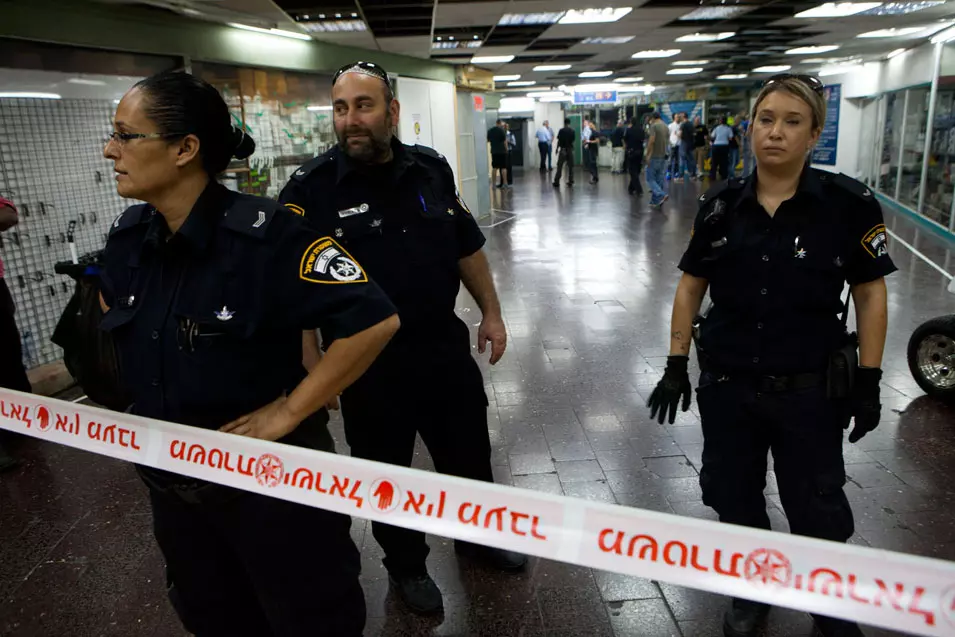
[(768, 566), (269, 470)]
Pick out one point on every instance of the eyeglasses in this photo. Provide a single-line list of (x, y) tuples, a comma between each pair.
[(122, 138), (812, 82), (365, 68)]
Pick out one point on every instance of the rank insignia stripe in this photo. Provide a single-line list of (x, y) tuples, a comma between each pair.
[(300, 211), (325, 261)]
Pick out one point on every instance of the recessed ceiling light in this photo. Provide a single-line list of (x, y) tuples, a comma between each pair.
[(837, 9), (469, 44), (354, 15), (491, 59), (812, 50), (336, 26), (685, 71), (713, 13), (595, 74), (552, 67), (779, 68), (690, 62), (522, 83), (892, 33), (656, 53), (320, 108), (515, 19), (901, 8), (278, 32), (86, 82), (29, 95), (706, 37), (629, 79), (506, 78), (621, 39), (895, 53), (593, 16), (732, 76)]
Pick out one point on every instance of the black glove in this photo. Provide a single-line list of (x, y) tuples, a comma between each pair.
[(674, 384), (864, 403)]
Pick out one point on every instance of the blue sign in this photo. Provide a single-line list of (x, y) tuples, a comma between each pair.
[(692, 108), (595, 97), (825, 151)]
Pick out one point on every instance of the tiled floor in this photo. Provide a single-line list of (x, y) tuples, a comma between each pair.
[(586, 278)]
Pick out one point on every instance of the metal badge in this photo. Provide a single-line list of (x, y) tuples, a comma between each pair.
[(351, 212)]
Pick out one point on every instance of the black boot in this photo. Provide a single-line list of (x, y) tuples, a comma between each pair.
[(496, 558), (744, 618), (832, 627), (419, 592)]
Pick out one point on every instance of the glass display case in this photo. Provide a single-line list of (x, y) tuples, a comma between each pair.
[(939, 186), (913, 145), (891, 142)]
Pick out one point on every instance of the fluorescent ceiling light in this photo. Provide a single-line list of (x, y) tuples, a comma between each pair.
[(516, 104), (33, 96), (319, 108), (619, 39), (901, 8), (552, 67), (593, 16), (839, 70), (944, 36), (690, 62), (837, 9), (506, 78), (685, 71), (278, 32), (522, 83), (595, 74), (895, 53), (779, 68), (706, 37), (86, 82), (629, 79), (812, 50), (491, 59), (891, 33), (459, 44), (653, 54), (713, 13), (336, 26), (732, 76), (515, 19), (545, 94)]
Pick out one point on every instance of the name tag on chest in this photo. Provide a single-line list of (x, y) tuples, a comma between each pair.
[(351, 212)]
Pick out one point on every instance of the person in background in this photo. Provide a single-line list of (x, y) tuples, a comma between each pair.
[(687, 141), (633, 144), (550, 147), (776, 250), (565, 153), (206, 293), (734, 147), (674, 137), (497, 138), (745, 148), (657, 160), (409, 227), (701, 145), (545, 136), (511, 149), (616, 144), (12, 373), (722, 135), (586, 134)]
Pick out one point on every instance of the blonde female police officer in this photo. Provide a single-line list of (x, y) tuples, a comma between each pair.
[(208, 292), (775, 251)]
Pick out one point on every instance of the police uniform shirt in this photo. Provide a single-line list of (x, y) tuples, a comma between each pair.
[(208, 322), (405, 223), (777, 282)]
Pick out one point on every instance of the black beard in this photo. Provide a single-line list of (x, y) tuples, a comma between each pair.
[(372, 152)]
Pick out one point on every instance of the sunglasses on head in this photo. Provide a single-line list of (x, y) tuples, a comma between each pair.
[(365, 68), (812, 82)]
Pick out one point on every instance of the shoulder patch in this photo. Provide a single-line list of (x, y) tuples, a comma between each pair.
[(325, 261), (876, 241), (308, 167), (854, 186), (249, 215), (131, 217)]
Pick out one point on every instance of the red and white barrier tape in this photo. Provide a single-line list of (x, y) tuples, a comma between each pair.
[(881, 588)]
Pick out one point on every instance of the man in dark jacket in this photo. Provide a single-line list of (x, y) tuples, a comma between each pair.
[(633, 140), (565, 153)]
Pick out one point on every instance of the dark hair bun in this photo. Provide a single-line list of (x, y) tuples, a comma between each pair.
[(244, 144)]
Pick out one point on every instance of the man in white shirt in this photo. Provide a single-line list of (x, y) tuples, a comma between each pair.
[(674, 129), (545, 137)]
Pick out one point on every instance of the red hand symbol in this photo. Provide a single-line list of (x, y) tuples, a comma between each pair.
[(385, 492)]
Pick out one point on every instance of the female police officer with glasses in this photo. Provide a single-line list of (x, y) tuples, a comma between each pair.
[(206, 293), (775, 250)]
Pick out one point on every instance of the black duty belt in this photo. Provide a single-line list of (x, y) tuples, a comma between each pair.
[(774, 384)]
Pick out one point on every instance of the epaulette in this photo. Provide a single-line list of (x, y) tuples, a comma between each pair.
[(717, 189), (306, 169), (249, 215), (845, 182), (428, 152), (131, 217)]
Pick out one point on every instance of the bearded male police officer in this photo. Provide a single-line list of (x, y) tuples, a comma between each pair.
[(396, 209)]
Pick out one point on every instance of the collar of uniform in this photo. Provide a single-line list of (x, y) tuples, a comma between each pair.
[(198, 227), (809, 184), (401, 160)]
